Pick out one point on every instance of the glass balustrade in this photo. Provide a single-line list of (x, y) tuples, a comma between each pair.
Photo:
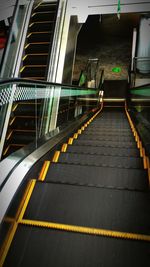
[(30, 110), (139, 106)]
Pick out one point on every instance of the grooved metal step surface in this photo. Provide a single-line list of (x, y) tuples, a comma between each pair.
[(107, 137), (100, 160), (108, 127), (133, 179), (105, 143), (112, 209), (36, 246), (102, 132), (114, 151), (39, 47), (41, 26)]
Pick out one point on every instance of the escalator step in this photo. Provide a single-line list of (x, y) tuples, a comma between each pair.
[(33, 70), (24, 122), (39, 47), (101, 132), (105, 143), (37, 246), (126, 152), (22, 137), (110, 128), (110, 124), (134, 179), (41, 26), (46, 7), (43, 16), (106, 137), (24, 108), (38, 36), (98, 160), (32, 59), (119, 210)]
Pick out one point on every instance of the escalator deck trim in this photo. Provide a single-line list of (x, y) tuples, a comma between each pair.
[(86, 230)]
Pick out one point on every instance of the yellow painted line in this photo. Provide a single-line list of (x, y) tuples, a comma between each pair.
[(70, 141), (75, 136), (9, 135), (29, 193), (37, 54), (5, 151), (79, 131), (64, 147), (145, 162), (42, 12), (149, 176), (56, 156), (24, 57), (31, 33), (25, 195), (36, 43), (38, 5), (7, 243), (44, 171), (14, 107), (22, 69), (87, 230), (32, 66), (40, 22), (26, 46)]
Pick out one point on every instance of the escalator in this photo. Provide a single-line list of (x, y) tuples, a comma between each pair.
[(89, 206), (39, 41), (35, 62)]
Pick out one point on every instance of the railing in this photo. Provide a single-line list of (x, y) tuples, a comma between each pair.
[(52, 105), (139, 108), (141, 68), (92, 76), (13, 52)]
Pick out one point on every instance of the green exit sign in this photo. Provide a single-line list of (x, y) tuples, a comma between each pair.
[(116, 69)]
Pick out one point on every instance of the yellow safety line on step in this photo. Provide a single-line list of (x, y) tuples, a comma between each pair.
[(64, 147), (56, 156), (43, 12), (86, 230), (29, 193), (44, 170), (38, 5), (148, 171), (40, 22), (37, 33), (145, 162), (70, 141), (79, 131), (75, 136), (14, 221), (7, 243), (36, 54)]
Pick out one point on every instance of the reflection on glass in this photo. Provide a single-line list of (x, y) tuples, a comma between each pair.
[(30, 110)]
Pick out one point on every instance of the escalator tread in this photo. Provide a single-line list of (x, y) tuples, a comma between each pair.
[(105, 143), (44, 247), (101, 160), (114, 151), (132, 179), (118, 210)]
